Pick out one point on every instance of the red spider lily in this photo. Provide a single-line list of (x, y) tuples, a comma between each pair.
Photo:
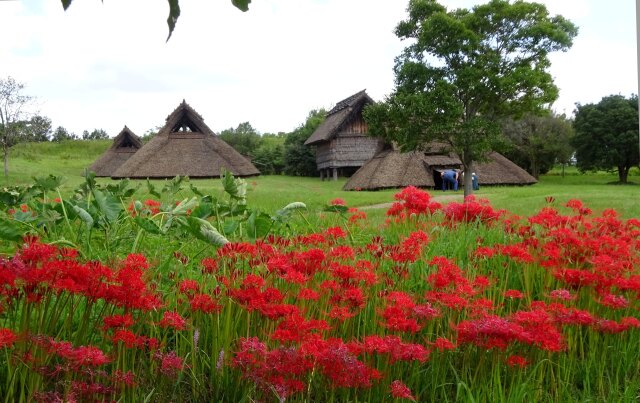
[(280, 370), (443, 344), (76, 356), (338, 202), (117, 321), (128, 338), (514, 294), (338, 364), (298, 329), (308, 294), (204, 303), (471, 211), (400, 391), (613, 301), (411, 248), (209, 265), (562, 294), (173, 319), (517, 361), (335, 232), (189, 287), (412, 201), (170, 363), (7, 338), (356, 215)]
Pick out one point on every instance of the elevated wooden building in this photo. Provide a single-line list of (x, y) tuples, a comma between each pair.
[(342, 143)]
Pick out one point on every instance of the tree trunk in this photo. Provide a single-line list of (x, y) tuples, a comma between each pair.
[(623, 173), (5, 150), (468, 184)]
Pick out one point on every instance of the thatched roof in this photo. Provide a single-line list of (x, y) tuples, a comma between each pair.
[(338, 116), (393, 169), (124, 145), (500, 170), (185, 146)]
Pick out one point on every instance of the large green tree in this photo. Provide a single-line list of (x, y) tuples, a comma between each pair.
[(537, 143), (300, 159), (174, 10), (466, 70), (244, 139), (607, 135)]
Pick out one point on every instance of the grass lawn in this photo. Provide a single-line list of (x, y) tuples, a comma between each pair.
[(69, 159)]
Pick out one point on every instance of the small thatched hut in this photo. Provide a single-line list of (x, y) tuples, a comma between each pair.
[(123, 147), (392, 169), (342, 143), (185, 146)]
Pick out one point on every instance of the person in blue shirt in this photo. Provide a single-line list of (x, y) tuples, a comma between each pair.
[(449, 177)]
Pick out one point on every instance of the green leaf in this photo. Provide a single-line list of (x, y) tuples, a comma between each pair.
[(203, 230), (9, 231), (231, 226), (241, 4), (174, 185), (195, 190), (48, 183), (174, 13), (203, 210), (185, 205), (84, 216), (152, 190), (108, 205), (286, 210), (147, 225), (66, 4), (258, 225)]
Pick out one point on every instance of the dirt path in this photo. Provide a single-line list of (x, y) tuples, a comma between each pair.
[(444, 198)]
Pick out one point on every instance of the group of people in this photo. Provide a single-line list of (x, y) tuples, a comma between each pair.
[(450, 178)]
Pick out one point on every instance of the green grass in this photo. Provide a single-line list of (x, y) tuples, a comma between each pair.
[(69, 159)]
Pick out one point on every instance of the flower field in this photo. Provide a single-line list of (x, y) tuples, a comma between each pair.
[(108, 298)]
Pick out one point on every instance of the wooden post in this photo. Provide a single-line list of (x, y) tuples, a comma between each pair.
[(335, 174), (322, 175)]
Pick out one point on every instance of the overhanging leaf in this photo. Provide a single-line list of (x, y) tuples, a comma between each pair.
[(174, 13), (241, 4), (66, 4), (9, 231)]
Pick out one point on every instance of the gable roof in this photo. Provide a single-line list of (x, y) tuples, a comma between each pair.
[(393, 169), (124, 145), (340, 114), (185, 146)]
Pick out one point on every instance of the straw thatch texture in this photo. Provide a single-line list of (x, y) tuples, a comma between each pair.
[(499, 170), (185, 146), (124, 145), (394, 169)]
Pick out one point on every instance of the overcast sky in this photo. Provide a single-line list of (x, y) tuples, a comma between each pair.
[(106, 64)]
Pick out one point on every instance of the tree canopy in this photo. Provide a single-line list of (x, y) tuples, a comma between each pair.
[(607, 135), (299, 159), (538, 142), (466, 70), (174, 11)]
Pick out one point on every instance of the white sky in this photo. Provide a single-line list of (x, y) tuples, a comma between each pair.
[(106, 64)]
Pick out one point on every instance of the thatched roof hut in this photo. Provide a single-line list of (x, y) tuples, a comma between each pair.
[(342, 141), (124, 145), (391, 168), (185, 146)]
